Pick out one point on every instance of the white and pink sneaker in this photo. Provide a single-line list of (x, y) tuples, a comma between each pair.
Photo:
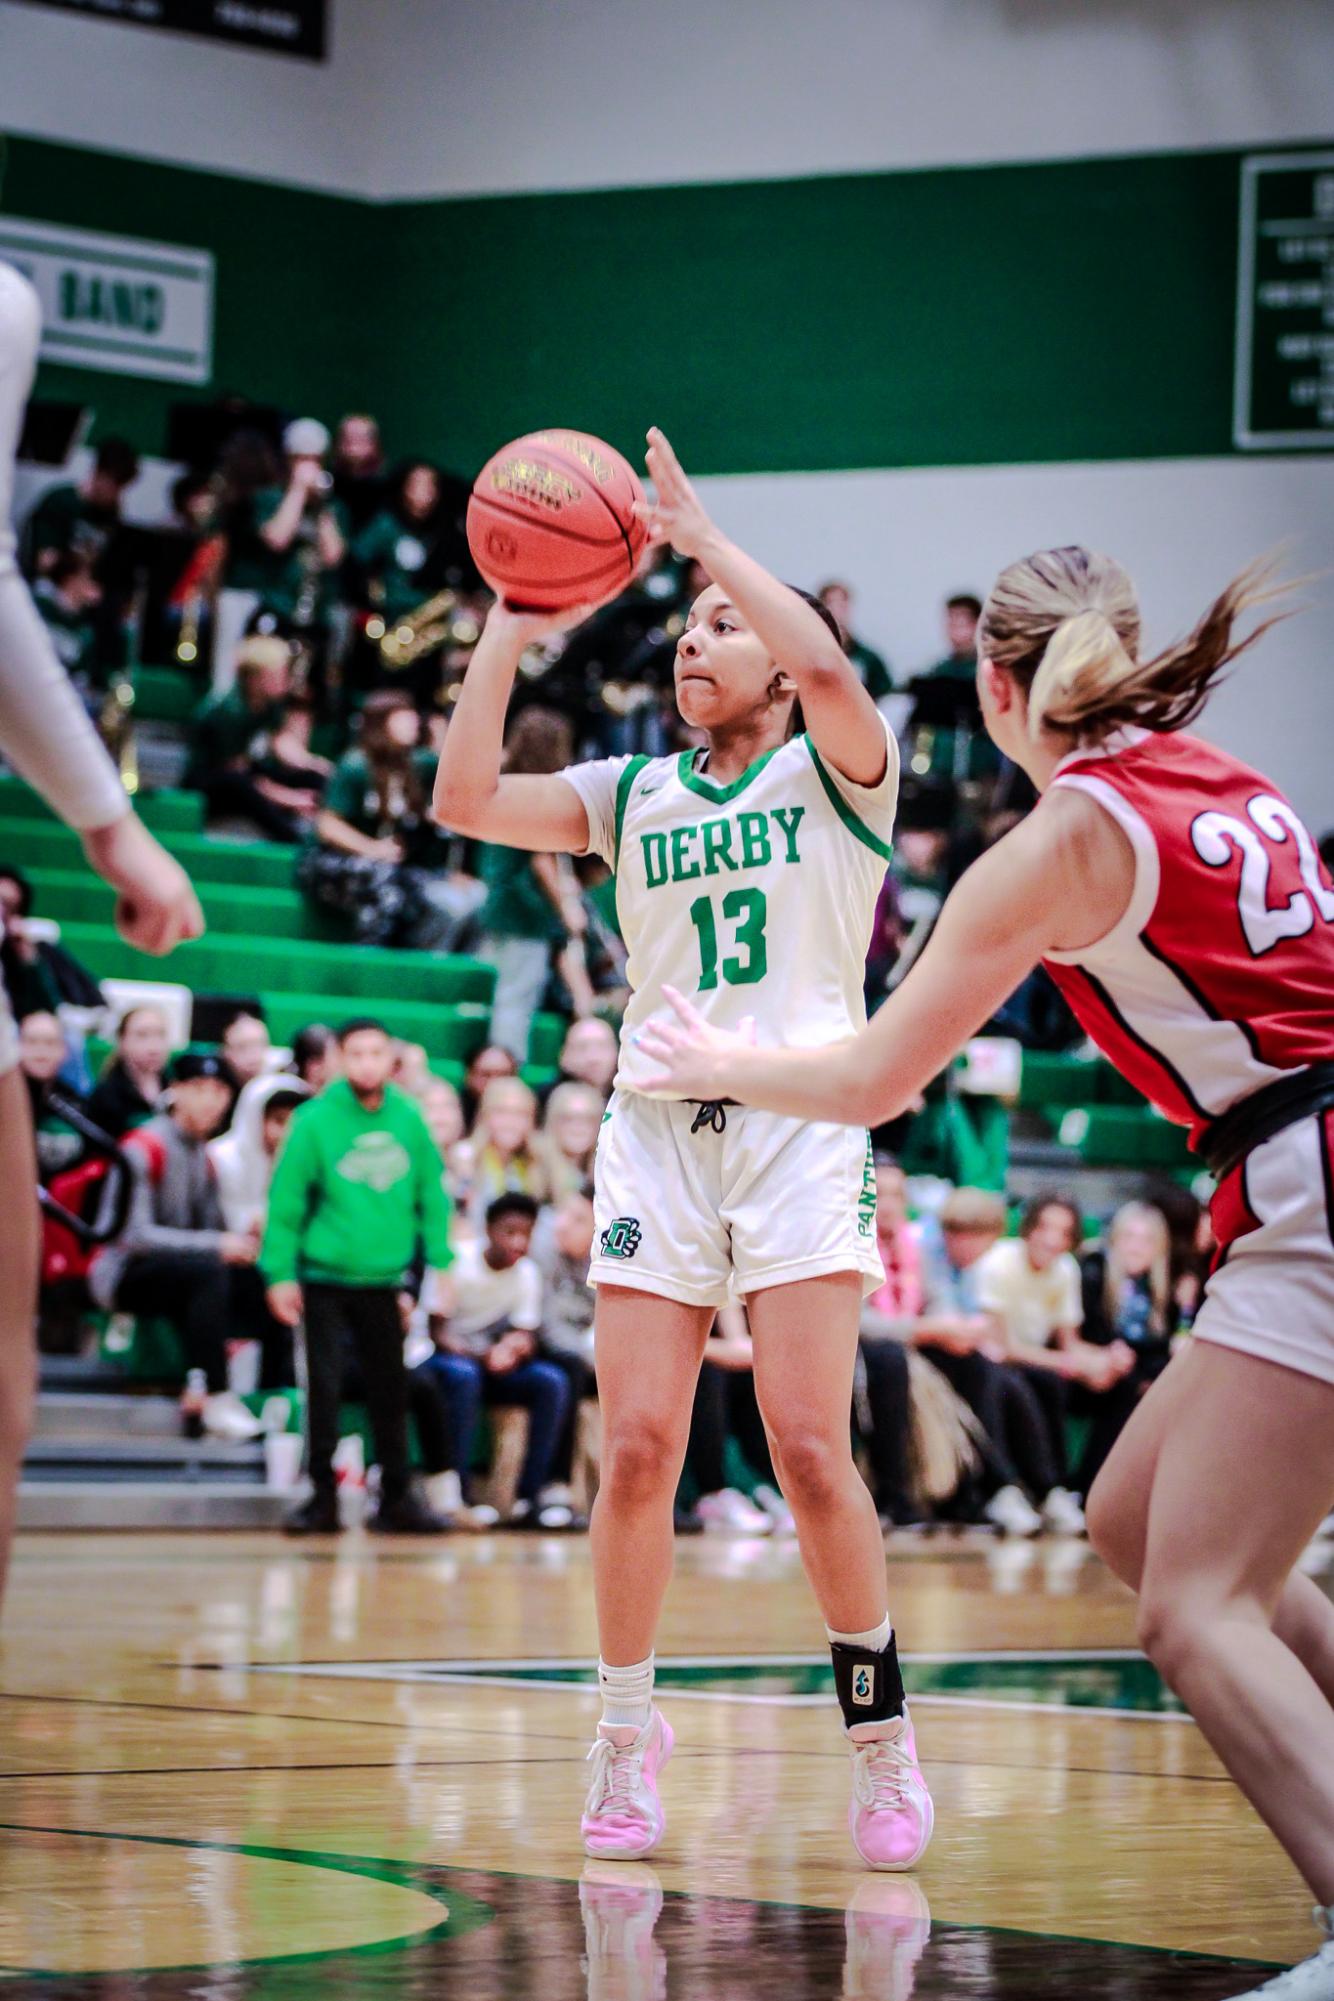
[(623, 1817), (891, 1816)]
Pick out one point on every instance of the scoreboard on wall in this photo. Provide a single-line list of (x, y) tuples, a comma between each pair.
[(1284, 392), (285, 27)]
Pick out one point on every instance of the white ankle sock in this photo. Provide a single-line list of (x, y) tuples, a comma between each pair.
[(875, 1639), (627, 1694)]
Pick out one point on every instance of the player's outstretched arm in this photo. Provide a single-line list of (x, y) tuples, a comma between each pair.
[(843, 721), (472, 794), (1059, 882)]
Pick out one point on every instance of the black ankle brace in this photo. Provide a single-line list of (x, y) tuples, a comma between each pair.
[(869, 1685)]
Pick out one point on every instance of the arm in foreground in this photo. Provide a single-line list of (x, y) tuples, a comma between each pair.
[(1059, 882)]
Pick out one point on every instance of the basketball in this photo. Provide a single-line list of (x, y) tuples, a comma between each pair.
[(551, 521)]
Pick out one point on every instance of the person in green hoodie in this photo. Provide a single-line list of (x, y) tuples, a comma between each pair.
[(356, 1191)]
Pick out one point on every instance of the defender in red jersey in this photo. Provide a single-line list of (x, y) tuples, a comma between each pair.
[(1182, 907)]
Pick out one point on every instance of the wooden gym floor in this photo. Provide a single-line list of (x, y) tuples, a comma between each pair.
[(235, 1767)]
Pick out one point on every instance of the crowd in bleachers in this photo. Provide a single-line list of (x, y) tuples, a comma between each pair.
[(325, 607)]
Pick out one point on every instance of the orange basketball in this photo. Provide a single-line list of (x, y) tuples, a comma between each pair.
[(550, 521)]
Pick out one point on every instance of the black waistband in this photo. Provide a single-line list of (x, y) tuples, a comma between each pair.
[(1226, 1141)]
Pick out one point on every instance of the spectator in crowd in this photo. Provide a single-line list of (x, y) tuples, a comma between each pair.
[(442, 1110), (1127, 1298), (726, 1407), (67, 595), (408, 551), (962, 613), (486, 1321), (82, 519), (304, 532), (876, 678), (569, 1137), (962, 1343), (505, 1157), (316, 1057), (886, 1325), (243, 1157), (1190, 1249), (562, 1245), (358, 471), (356, 1188), (249, 474), (42, 1053), (177, 1260), (589, 1055), (38, 973), (533, 908), (1030, 1285), (246, 1046), (237, 754), (129, 1092), (377, 857), (412, 1067), (490, 1062)]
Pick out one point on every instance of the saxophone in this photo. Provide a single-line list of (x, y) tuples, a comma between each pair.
[(438, 621)]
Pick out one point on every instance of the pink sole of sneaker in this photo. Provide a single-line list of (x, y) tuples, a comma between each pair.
[(618, 1848)]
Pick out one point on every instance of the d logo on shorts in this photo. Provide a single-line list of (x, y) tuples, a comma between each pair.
[(622, 1238)]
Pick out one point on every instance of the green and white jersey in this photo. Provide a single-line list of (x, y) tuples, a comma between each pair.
[(754, 898)]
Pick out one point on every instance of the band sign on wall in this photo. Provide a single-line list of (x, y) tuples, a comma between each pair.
[(1285, 303), (288, 27), (114, 303)]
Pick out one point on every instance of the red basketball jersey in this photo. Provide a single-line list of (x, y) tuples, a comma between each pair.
[(1219, 978)]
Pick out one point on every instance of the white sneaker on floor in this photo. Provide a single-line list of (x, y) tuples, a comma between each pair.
[(444, 1494), (729, 1513), (1062, 1513), (1013, 1513), (777, 1509), (1312, 1980), (225, 1416)]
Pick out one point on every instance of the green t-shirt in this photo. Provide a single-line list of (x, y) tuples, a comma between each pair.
[(355, 1192), (289, 581), (63, 519), (396, 559), (71, 632), (875, 675), (351, 795), (516, 904), (225, 729)]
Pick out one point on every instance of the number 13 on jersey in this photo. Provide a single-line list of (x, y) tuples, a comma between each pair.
[(748, 959)]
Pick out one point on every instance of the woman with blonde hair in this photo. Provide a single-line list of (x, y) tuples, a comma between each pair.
[(569, 1138), (505, 1156), (1183, 908), (1127, 1294)]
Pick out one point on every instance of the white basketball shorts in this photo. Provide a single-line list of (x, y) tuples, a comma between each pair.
[(1271, 1292), (705, 1216)]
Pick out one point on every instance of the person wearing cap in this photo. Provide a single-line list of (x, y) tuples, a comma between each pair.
[(236, 757), (175, 1258), (304, 528)]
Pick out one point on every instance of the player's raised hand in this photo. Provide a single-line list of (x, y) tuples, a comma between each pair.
[(693, 1054), (533, 628), (677, 515)]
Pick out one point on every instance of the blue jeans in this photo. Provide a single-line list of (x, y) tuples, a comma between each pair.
[(538, 1387)]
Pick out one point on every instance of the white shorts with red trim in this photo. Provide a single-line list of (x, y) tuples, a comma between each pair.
[(1271, 1293), (707, 1216)]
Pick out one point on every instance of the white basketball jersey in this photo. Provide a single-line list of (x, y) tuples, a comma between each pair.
[(754, 898)]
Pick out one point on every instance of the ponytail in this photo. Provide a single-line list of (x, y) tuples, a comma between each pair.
[(1065, 623)]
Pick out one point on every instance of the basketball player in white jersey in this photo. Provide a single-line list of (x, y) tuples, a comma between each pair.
[(47, 737), (1182, 906), (749, 872)]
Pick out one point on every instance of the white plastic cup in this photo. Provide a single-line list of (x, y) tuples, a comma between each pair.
[(282, 1459)]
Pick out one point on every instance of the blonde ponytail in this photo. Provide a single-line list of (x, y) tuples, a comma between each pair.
[(1065, 623), (1082, 664)]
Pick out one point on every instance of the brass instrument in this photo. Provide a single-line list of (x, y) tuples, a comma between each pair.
[(442, 620), (115, 725)]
